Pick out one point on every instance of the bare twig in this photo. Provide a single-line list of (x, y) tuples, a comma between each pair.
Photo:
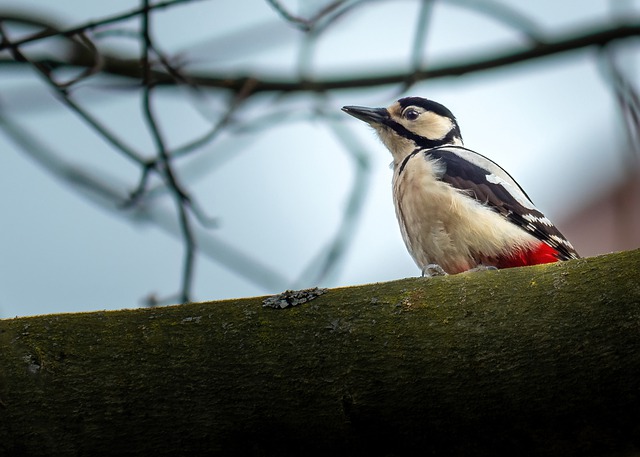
[(52, 32), (182, 198), (302, 23), (420, 35), (419, 43), (494, 60), (236, 102), (628, 101), (64, 96), (507, 15)]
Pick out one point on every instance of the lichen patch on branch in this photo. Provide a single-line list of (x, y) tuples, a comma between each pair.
[(290, 298)]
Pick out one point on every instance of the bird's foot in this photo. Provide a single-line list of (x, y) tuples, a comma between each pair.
[(482, 268), (433, 269)]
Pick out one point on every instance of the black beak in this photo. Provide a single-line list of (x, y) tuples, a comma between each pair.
[(369, 115)]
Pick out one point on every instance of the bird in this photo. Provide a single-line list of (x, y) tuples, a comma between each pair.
[(457, 209)]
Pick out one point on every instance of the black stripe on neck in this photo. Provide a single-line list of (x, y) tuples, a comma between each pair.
[(406, 159), (420, 141)]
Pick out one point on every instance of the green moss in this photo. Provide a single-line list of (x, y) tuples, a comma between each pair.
[(419, 361)]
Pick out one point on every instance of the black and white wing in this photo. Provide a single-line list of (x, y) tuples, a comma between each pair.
[(491, 185)]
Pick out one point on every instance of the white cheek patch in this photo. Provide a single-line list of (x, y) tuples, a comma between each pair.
[(433, 126), (513, 190)]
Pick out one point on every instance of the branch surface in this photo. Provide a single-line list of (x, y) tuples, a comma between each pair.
[(537, 361)]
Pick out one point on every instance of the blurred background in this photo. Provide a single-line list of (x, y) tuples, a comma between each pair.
[(157, 152)]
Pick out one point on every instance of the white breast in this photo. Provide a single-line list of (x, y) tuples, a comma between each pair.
[(443, 225)]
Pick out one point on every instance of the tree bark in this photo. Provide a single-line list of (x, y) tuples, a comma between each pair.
[(540, 361)]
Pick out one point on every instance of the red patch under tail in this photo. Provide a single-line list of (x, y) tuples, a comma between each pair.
[(542, 253)]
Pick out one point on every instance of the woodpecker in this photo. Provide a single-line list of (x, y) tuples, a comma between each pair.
[(457, 209)]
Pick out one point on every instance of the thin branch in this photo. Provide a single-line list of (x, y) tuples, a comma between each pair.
[(305, 24), (163, 162), (419, 42), (420, 36), (506, 15), (237, 101), (136, 195), (63, 95), (182, 198), (628, 101), (87, 45), (51, 32), (235, 82)]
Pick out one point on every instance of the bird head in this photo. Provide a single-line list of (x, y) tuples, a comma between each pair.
[(410, 123)]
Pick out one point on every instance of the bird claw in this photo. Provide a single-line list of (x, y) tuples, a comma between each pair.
[(433, 269), (482, 268)]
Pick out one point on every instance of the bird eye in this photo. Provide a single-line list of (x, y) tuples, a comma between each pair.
[(411, 114)]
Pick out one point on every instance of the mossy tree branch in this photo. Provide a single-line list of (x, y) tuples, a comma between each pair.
[(534, 361)]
